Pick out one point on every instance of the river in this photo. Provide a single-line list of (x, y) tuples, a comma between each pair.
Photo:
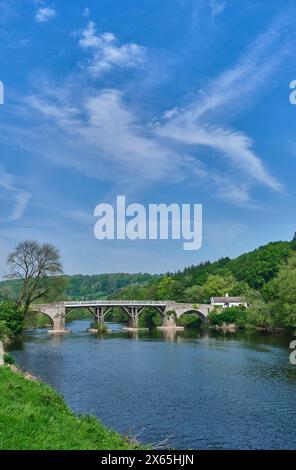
[(193, 389)]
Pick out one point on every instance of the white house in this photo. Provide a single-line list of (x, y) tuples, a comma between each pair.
[(228, 301)]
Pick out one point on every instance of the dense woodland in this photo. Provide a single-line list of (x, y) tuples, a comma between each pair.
[(265, 277), (79, 287)]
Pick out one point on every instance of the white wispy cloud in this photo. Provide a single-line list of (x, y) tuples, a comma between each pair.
[(107, 52), (217, 6), (15, 197), (201, 123), (100, 133), (45, 13), (102, 138)]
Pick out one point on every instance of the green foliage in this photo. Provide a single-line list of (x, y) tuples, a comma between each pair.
[(99, 286), (150, 318), (215, 285), (284, 297), (36, 320), (100, 328), (34, 264), (169, 288), (79, 287), (252, 275), (11, 315), (189, 320), (229, 315), (116, 315), (5, 332), (261, 265), (258, 314), (35, 417), (262, 276), (8, 359)]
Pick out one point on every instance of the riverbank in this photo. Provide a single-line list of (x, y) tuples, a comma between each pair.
[(34, 417)]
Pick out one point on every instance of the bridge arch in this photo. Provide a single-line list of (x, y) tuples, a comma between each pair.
[(47, 315), (192, 310)]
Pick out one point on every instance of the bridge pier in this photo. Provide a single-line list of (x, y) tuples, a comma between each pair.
[(58, 324), (100, 313), (169, 322), (57, 313), (133, 318)]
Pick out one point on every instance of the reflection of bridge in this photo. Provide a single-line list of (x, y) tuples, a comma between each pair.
[(169, 311)]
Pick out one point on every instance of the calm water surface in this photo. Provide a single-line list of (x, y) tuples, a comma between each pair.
[(199, 390)]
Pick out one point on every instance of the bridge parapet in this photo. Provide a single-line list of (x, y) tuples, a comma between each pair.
[(115, 303)]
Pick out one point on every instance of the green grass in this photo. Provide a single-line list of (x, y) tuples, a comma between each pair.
[(34, 417)]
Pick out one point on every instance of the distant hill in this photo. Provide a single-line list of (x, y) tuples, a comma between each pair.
[(259, 266), (254, 269), (197, 283), (80, 287)]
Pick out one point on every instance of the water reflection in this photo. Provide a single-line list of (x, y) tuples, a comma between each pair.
[(209, 389)]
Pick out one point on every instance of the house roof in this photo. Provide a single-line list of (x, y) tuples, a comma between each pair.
[(220, 300)]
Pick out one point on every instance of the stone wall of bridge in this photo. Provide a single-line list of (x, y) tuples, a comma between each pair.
[(169, 310)]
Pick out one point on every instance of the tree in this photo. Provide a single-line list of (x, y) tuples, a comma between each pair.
[(12, 317), (35, 265), (215, 285), (166, 288), (261, 265), (285, 292)]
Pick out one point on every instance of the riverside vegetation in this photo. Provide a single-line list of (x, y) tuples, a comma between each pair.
[(265, 277), (34, 417)]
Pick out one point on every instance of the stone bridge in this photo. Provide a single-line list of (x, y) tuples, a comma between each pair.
[(169, 311)]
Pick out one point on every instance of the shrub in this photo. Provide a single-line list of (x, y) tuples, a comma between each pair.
[(229, 315), (8, 359), (5, 332), (11, 316), (189, 321)]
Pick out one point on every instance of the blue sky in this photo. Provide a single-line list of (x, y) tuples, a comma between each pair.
[(167, 101)]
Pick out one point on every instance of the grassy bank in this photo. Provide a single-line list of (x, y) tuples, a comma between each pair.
[(34, 417)]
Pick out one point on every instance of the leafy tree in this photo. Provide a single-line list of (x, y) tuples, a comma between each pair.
[(5, 332), (12, 316), (34, 264), (261, 265), (216, 285), (193, 294), (150, 318), (189, 320), (259, 313), (235, 315), (166, 288), (284, 307)]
